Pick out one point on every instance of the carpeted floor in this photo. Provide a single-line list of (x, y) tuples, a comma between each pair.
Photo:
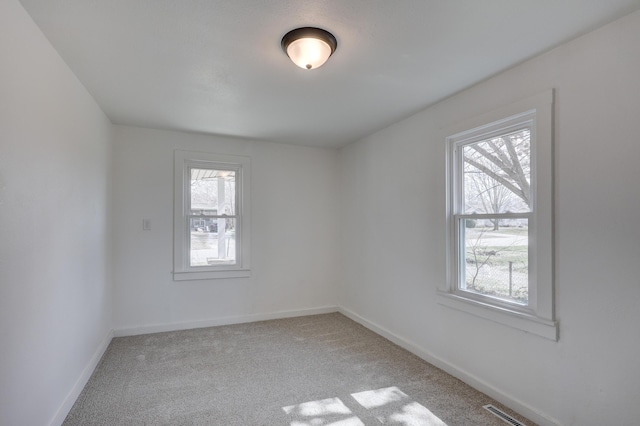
[(315, 370)]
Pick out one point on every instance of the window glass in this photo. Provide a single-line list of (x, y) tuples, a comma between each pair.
[(497, 174), (213, 191), (212, 196), (212, 241), (496, 263)]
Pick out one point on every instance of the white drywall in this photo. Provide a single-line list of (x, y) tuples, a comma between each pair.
[(55, 291), (294, 233), (387, 233), (393, 236)]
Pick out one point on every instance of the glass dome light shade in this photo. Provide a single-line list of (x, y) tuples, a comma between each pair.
[(309, 53)]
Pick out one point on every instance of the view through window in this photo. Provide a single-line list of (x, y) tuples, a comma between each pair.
[(212, 217), (494, 226)]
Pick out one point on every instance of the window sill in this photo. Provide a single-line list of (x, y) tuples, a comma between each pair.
[(211, 275), (525, 322)]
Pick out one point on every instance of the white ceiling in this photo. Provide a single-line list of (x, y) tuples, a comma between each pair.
[(216, 66)]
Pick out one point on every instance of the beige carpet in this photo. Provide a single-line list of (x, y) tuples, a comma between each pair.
[(315, 370)]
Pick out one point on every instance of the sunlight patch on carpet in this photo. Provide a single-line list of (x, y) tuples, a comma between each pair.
[(392, 406), (388, 405), (379, 397), (325, 412)]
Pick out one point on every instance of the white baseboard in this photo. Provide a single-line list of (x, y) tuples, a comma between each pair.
[(72, 396), (159, 328), (465, 376)]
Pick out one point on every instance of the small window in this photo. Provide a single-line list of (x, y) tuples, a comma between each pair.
[(211, 216), (500, 217)]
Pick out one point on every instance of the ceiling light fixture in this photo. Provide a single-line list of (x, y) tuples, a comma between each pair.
[(309, 47)]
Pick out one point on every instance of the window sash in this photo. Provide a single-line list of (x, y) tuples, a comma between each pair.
[(200, 165), (457, 158), (459, 258)]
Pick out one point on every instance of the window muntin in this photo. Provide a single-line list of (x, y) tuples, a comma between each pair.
[(211, 219)]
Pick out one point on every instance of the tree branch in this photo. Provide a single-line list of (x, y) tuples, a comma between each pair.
[(517, 191)]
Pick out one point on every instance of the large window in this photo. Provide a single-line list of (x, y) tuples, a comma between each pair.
[(211, 216), (500, 217), (493, 207)]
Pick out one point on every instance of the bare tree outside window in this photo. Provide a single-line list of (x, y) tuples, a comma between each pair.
[(497, 173), (506, 160), (496, 181)]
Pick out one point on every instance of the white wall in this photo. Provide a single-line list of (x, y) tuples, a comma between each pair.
[(388, 234), (55, 292), (294, 234), (393, 238)]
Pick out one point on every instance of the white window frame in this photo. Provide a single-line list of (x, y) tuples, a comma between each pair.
[(538, 317), (184, 161)]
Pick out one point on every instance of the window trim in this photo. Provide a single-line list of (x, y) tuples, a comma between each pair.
[(184, 161), (539, 317)]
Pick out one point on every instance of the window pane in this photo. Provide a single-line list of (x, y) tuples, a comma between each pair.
[(497, 174), (213, 191), (213, 241), (496, 260)]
